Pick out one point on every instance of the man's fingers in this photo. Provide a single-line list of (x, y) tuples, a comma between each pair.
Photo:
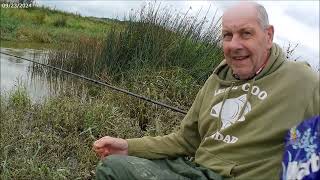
[(98, 144), (98, 150), (106, 146), (105, 153), (102, 152), (102, 142)]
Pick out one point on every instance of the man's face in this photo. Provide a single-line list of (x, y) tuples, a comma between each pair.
[(245, 43)]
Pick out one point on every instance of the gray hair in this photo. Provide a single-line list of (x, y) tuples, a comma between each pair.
[(262, 16)]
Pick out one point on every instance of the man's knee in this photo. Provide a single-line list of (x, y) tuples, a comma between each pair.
[(114, 160), (111, 167), (127, 167)]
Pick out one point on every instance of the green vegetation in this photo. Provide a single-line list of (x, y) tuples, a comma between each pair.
[(45, 25), (156, 46), (53, 140)]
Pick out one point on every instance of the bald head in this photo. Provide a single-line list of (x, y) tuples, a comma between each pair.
[(247, 38), (245, 9)]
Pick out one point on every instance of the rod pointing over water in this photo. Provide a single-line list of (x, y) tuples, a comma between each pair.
[(102, 83)]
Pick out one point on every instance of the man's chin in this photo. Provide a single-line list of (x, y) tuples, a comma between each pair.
[(243, 74)]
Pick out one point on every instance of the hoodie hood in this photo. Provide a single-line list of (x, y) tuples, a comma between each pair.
[(223, 72)]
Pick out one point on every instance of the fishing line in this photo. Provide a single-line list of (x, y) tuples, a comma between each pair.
[(102, 83)]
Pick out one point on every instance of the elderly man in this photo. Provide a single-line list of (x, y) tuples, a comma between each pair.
[(235, 128)]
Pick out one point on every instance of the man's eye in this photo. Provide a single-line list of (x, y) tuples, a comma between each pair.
[(246, 34), (227, 36)]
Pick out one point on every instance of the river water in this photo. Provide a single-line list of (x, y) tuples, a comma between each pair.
[(16, 72)]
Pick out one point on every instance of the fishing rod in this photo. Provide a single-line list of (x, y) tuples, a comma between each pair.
[(101, 83)]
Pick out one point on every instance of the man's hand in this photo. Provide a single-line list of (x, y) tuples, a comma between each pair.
[(107, 145)]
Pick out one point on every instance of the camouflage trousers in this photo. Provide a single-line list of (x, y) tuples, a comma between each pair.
[(119, 167)]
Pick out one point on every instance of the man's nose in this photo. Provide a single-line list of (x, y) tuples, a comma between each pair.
[(235, 43)]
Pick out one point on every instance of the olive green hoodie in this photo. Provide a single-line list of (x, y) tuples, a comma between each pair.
[(235, 127)]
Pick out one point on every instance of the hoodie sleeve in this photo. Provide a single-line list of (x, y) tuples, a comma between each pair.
[(314, 107), (183, 142)]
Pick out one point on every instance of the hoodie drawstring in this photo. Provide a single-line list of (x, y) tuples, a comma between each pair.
[(226, 95), (223, 101), (249, 94)]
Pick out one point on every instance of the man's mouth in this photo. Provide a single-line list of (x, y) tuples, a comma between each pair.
[(239, 58)]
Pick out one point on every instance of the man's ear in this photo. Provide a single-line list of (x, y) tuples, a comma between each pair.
[(270, 34)]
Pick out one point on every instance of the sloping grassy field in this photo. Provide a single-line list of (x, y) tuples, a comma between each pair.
[(45, 25)]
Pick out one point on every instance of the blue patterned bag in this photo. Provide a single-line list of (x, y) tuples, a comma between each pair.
[(301, 159)]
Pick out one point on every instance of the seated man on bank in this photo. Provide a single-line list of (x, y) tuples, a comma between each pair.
[(236, 125)]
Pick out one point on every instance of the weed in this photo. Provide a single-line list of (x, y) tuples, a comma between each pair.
[(61, 21), (40, 18)]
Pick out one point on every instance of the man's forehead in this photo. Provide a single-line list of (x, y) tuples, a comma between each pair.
[(240, 23), (240, 11), (246, 26), (241, 16)]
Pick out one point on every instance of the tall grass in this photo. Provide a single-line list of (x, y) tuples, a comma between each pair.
[(153, 41), (80, 56), (158, 53), (60, 21), (158, 38)]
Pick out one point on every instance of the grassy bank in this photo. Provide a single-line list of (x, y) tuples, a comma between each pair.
[(45, 25), (53, 140)]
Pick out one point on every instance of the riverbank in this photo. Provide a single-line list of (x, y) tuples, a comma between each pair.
[(46, 25), (53, 140)]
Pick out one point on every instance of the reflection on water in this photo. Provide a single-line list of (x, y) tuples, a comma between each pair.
[(39, 81), (16, 72)]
